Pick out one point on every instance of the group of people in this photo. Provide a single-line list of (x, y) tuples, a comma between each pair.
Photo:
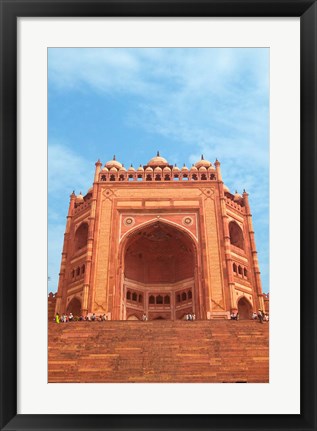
[(262, 317), (190, 317), (65, 318)]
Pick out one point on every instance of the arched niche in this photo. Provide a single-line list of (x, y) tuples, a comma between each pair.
[(244, 308), (159, 261), (159, 253), (236, 235), (81, 236), (133, 317), (74, 307)]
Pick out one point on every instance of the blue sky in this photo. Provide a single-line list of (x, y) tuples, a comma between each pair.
[(134, 101)]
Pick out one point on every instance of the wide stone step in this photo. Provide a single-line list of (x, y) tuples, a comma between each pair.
[(159, 351)]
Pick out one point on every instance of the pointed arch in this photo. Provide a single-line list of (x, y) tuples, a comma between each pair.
[(134, 229), (81, 236), (244, 308), (133, 317), (236, 235), (74, 306)]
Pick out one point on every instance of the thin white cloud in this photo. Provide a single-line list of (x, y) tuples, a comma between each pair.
[(55, 239), (206, 101), (67, 170)]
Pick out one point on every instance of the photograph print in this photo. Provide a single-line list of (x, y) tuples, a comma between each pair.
[(158, 215)]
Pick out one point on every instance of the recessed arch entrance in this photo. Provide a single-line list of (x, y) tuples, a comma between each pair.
[(159, 273), (244, 309), (74, 307)]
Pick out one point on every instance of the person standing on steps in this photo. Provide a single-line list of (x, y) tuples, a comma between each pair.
[(260, 316)]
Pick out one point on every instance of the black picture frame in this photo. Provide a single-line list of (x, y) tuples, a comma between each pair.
[(10, 10)]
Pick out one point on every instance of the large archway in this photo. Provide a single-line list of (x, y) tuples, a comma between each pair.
[(74, 307), (244, 309), (159, 276)]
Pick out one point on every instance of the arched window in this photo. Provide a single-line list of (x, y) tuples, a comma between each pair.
[(112, 177), (184, 296), (239, 270), (157, 177), (234, 268), (83, 269), (149, 177), (203, 177), (73, 273), (128, 294), (166, 299), (167, 178), (78, 271), (212, 176), (178, 298), (140, 298), (103, 177), (190, 294), (151, 300), (194, 177), (134, 296), (121, 177), (159, 299), (236, 235), (245, 272), (81, 236)]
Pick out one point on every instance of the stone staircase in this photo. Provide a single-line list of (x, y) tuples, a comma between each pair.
[(159, 351)]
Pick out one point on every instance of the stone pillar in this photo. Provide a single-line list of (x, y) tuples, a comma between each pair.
[(91, 225), (61, 292), (258, 283), (227, 247)]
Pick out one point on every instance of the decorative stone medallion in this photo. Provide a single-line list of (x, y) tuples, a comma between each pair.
[(187, 221), (128, 221)]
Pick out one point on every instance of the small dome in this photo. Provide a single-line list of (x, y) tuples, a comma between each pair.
[(113, 169), (122, 169), (131, 169), (113, 163), (79, 199), (90, 190), (202, 162), (211, 169), (226, 189), (148, 169), (193, 169), (176, 168), (237, 196), (202, 169), (140, 169), (158, 170), (184, 168), (158, 161), (105, 169), (167, 169)]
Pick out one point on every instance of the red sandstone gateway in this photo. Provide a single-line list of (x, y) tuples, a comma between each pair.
[(159, 241)]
